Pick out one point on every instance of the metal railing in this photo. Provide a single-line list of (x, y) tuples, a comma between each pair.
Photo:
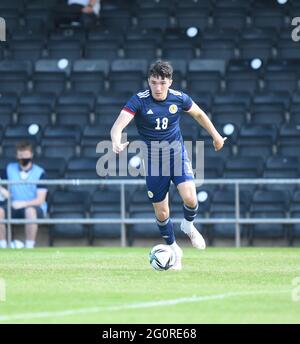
[(123, 221)]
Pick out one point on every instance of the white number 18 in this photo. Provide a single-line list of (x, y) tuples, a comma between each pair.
[(164, 123)]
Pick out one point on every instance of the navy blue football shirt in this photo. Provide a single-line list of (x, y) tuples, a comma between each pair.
[(158, 120)]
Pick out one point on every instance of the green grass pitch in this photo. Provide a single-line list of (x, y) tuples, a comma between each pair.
[(117, 285)]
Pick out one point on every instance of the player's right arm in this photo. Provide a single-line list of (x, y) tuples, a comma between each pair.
[(120, 124)]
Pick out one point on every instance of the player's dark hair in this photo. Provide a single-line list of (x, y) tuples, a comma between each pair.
[(161, 69), (24, 145)]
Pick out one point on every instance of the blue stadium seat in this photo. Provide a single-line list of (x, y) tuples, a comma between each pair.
[(107, 50), (178, 50), (140, 49), (267, 204), (286, 167), (280, 77), (222, 205), (117, 18), (34, 114), (69, 113), (48, 77), (275, 98), (84, 99), (288, 49), (106, 199), (192, 17), (26, 48), (67, 231), (261, 114), (139, 201), (127, 75), (203, 81), (224, 100), (91, 136), (14, 76), (153, 18), (161, 4), (54, 167), (241, 77), (60, 141), (256, 48), (243, 167), (289, 139), (4, 161), (81, 168), (15, 134), (70, 49), (230, 18), (235, 117), (267, 17), (256, 140), (7, 108), (38, 15), (12, 20), (89, 75), (217, 49), (213, 167), (105, 230), (144, 231)]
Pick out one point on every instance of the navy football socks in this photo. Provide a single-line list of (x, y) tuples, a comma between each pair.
[(166, 230), (190, 213)]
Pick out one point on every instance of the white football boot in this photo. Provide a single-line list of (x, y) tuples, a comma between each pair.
[(196, 238), (178, 257)]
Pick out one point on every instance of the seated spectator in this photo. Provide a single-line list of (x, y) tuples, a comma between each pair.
[(28, 200), (85, 12)]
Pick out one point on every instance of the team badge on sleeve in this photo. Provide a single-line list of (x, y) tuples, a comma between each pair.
[(173, 109), (150, 194)]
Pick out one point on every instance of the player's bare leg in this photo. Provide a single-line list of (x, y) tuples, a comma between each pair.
[(187, 191), (165, 226), (32, 228)]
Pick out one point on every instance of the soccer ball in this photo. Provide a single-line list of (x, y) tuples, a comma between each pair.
[(162, 257)]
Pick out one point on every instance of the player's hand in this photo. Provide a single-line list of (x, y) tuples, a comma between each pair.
[(219, 142), (119, 147)]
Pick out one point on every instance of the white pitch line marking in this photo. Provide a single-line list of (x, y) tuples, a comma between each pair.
[(146, 304)]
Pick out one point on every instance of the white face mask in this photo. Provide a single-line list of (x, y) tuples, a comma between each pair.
[(23, 175)]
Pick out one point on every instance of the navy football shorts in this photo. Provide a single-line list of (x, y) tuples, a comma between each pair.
[(158, 184)]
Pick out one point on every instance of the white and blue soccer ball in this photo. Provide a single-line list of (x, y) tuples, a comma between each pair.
[(162, 257)]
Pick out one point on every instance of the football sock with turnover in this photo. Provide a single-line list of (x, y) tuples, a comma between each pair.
[(166, 230), (3, 243), (29, 243), (189, 216)]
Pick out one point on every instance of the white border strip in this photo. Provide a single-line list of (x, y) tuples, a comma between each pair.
[(40, 315)]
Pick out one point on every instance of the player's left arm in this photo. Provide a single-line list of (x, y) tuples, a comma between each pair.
[(201, 117), (38, 201)]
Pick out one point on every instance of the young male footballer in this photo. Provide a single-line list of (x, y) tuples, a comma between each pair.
[(157, 112)]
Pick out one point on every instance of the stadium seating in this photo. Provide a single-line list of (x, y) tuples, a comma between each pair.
[(74, 105), (68, 204), (267, 204), (294, 230), (222, 205)]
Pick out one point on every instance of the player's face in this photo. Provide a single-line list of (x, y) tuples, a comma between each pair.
[(159, 87), (24, 158)]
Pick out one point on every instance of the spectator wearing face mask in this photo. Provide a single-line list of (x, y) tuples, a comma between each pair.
[(28, 201)]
